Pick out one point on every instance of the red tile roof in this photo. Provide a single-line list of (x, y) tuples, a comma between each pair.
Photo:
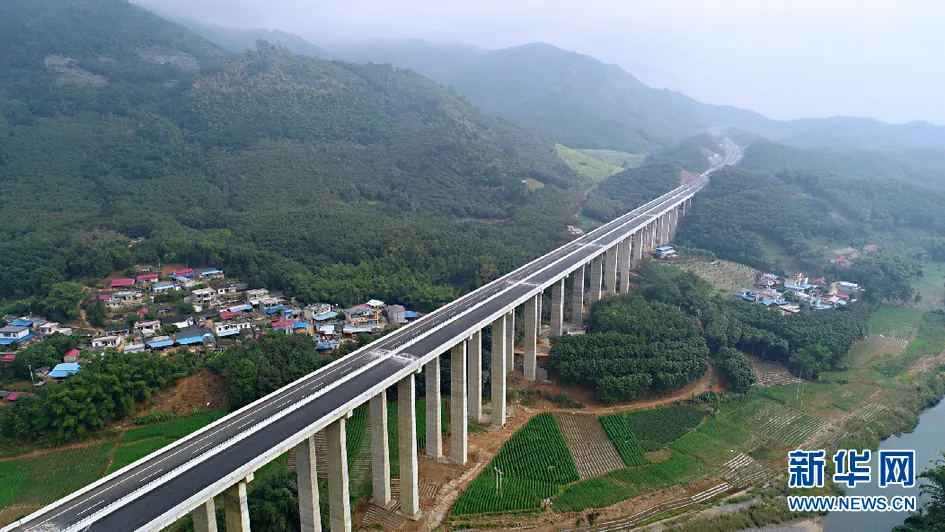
[(229, 315), (147, 277), (141, 311), (8, 358), (72, 353), (183, 272), (13, 396), (104, 297), (122, 282)]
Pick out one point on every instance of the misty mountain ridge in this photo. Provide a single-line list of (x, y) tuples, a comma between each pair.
[(585, 103)]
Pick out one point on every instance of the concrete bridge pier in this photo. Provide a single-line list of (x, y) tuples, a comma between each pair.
[(498, 371), (309, 511), (577, 296), (637, 248), (407, 445), (458, 404), (205, 517), (339, 501), (557, 308), (531, 336), (236, 508), (434, 436), (610, 270), (474, 371), (623, 265), (380, 452), (510, 341), (596, 266)]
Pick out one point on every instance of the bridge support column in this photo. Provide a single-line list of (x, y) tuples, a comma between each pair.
[(675, 225), (637, 248), (538, 314), (610, 271), (407, 445), (531, 337), (557, 308), (474, 365), (498, 371), (596, 266), (577, 296), (623, 265), (339, 501), (309, 512), (205, 517), (510, 341), (380, 452), (458, 440), (431, 374), (236, 508)]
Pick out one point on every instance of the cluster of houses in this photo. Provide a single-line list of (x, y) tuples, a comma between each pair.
[(790, 295), (225, 312), (846, 256)]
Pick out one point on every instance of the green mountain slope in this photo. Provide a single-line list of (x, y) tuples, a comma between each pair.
[(243, 39), (327, 180)]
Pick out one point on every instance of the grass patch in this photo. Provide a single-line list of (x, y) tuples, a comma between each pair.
[(723, 275), (45, 478), (623, 484), (535, 462), (931, 286), (598, 164), (657, 427), (899, 322), (618, 432), (929, 340), (128, 454), (171, 429)]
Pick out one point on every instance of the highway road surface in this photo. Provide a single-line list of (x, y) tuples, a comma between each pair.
[(140, 495)]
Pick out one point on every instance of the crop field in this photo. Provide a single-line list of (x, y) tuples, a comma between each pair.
[(593, 452), (132, 452), (534, 464), (657, 427), (768, 373), (42, 479), (631, 451), (597, 164), (898, 322), (175, 429), (929, 340), (723, 275), (624, 484)]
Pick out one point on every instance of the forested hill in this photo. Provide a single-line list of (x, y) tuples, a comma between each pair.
[(576, 99), (328, 180)]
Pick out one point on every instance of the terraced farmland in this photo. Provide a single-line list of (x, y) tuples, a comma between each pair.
[(593, 452)]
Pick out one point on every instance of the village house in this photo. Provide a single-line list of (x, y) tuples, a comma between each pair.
[(664, 252), (146, 278), (210, 273), (230, 289), (203, 296), (148, 328), (64, 371), (179, 321), (123, 299), (186, 273), (160, 342), (71, 355), (121, 283), (255, 295), (316, 309), (363, 315), (15, 333), (106, 342), (163, 287), (48, 328), (395, 314), (118, 329), (271, 305), (194, 337), (230, 328), (133, 347)]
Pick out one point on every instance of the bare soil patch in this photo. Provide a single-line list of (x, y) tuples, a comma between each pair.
[(769, 373), (204, 390)]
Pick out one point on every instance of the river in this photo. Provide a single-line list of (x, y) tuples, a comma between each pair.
[(927, 439)]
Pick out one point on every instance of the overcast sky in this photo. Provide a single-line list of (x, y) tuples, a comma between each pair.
[(804, 58)]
